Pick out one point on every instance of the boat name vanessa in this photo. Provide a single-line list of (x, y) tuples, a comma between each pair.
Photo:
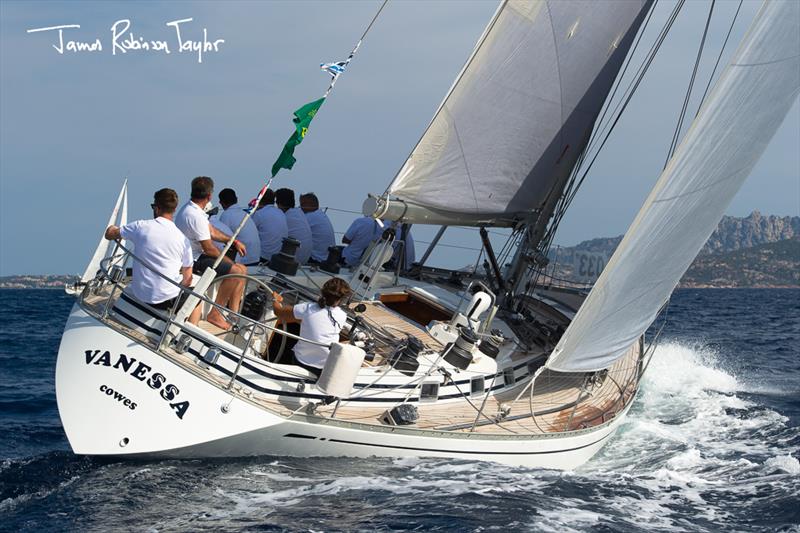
[(156, 380), (123, 40)]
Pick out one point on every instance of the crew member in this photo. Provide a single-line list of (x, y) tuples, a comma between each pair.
[(358, 237), (192, 221), (322, 235), (232, 217), (164, 252), (271, 224), (320, 321), (296, 222)]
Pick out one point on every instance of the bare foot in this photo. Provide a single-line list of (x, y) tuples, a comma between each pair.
[(215, 318)]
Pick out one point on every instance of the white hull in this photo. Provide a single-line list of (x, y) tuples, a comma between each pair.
[(158, 408)]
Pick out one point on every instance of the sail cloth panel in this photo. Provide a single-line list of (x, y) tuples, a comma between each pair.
[(519, 115), (742, 113)]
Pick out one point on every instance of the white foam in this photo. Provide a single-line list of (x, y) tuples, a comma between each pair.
[(787, 463)]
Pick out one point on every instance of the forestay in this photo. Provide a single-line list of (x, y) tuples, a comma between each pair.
[(734, 126), (519, 114)]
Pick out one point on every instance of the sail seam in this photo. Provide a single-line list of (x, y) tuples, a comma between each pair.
[(466, 165), (558, 69), (706, 187), (765, 62)]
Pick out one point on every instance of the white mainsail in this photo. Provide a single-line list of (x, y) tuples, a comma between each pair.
[(105, 245), (520, 113), (734, 126)]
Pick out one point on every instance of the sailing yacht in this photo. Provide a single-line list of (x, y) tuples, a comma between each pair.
[(503, 364)]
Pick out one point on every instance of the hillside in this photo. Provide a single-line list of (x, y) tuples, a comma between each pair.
[(775, 264), (716, 265), (752, 251)]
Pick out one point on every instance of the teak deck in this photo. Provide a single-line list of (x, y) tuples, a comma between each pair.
[(560, 401)]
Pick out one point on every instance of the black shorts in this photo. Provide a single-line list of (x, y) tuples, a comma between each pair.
[(166, 305), (314, 370), (205, 261)]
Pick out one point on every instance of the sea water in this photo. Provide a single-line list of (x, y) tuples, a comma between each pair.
[(712, 443)]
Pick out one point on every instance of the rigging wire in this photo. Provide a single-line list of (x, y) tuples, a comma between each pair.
[(622, 105), (719, 57), (682, 116), (618, 81)]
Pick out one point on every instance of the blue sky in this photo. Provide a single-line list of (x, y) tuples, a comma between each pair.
[(73, 125)]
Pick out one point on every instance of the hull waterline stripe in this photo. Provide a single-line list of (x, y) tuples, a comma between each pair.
[(449, 451)]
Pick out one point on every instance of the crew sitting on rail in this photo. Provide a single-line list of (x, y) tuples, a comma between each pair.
[(162, 246), (296, 223), (193, 222), (320, 321), (232, 217), (322, 234), (358, 237), (271, 224)]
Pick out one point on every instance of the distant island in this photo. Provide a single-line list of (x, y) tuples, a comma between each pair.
[(756, 251)]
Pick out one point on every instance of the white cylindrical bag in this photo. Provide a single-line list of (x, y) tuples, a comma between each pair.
[(341, 370)]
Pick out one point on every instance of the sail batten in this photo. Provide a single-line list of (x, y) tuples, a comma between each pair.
[(520, 112), (733, 128)]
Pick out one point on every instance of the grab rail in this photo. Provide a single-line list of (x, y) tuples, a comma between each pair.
[(105, 275)]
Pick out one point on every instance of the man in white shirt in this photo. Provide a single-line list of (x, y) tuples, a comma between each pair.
[(358, 237), (296, 222), (271, 224), (322, 235), (232, 217), (162, 251), (193, 222)]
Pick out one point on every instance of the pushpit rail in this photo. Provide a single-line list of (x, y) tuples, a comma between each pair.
[(111, 274)]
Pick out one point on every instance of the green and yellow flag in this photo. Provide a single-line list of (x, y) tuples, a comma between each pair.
[(302, 119)]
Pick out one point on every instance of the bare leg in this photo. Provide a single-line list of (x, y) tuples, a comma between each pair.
[(236, 295), (224, 293), (194, 318), (229, 295)]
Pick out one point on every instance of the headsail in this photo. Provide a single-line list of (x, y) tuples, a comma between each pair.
[(734, 126), (511, 128), (104, 245)]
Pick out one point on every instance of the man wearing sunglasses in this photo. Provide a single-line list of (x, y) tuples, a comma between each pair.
[(161, 249)]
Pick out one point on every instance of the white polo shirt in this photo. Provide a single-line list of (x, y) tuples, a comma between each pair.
[(300, 230), (361, 233), (193, 222), (272, 229), (322, 235), (321, 325), (232, 217), (161, 245)]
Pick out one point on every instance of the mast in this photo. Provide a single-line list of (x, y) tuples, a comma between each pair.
[(507, 135)]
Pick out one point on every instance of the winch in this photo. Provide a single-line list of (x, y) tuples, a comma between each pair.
[(459, 354)]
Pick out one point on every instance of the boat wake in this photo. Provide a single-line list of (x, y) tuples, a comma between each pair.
[(698, 451)]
